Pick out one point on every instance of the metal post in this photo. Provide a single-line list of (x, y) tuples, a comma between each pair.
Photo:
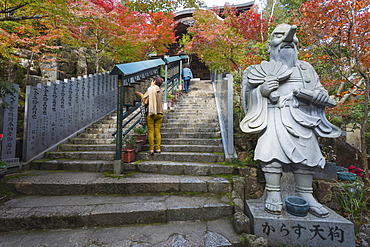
[(165, 86), (180, 75), (117, 161), (230, 112)]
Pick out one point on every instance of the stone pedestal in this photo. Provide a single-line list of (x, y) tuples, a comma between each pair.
[(302, 231)]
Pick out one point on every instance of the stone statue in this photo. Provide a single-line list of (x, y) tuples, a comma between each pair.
[(284, 102)]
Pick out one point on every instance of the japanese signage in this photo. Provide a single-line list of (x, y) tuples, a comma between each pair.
[(329, 234), (9, 128), (286, 229), (57, 110)]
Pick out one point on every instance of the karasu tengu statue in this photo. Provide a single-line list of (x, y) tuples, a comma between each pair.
[(284, 102)]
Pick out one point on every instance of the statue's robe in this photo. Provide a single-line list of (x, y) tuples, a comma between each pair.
[(289, 129)]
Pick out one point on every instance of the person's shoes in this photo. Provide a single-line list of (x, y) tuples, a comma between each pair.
[(158, 151), (151, 152)]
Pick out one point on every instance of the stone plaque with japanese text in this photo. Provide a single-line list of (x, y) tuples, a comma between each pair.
[(334, 231), (8, 124)]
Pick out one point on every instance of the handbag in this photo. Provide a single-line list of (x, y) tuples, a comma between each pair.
[(144, 112)]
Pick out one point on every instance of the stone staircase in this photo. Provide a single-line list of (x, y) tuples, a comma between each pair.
[(183, 189), (191, 131)]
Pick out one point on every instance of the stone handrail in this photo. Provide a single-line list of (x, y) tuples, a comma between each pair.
[(223, 90)]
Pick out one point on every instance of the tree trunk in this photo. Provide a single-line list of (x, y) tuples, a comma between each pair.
[(363, 138), (81, 62), (29, 69), (272, 13)]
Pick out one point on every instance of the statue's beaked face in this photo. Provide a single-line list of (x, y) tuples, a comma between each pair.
[(283, 45)]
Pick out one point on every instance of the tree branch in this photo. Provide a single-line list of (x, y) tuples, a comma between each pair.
[(12, 9), (21, 18)]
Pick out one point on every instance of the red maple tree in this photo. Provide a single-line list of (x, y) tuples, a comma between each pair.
[(230, 43), (340, 31)]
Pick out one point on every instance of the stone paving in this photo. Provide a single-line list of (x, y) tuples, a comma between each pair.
[(189, 233)]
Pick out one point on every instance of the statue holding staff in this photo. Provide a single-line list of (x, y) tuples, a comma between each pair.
[(284, 103)]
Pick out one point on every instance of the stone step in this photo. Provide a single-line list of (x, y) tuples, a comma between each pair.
[(97, 136), (216, 233), (171, 119), (192, 116), (198, 98), (193, 106), (190, 120), (86, 147), (107, 121), (188, 129), (182, 156), (185, 123), (182, 141), (192, 141), (91, 141), (101, 125), (181, 168), (165, 147), (187, 111), (85, 155), (189, 148), (198, 135), (55, 183), (104, 130), (193, 100), (99, 133), (199, 94), (73, 165), (51, 212), (162, 167), (113, 116)]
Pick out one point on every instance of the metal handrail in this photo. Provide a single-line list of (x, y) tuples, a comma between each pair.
[(126, 114), (129, 129), (130, 74)]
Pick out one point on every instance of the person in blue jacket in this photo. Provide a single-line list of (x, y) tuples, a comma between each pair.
[(187, 75)]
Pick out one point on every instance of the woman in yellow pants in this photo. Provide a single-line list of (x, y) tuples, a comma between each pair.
[(154, 98)]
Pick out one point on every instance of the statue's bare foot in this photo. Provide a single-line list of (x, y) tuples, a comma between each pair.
[(273, 203), (315, 208)]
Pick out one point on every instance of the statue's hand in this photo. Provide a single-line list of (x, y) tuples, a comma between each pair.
[(270, 84), (320, 97)]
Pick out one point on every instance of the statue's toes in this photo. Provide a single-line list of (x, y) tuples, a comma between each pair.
[(274, 208), (319, 211)]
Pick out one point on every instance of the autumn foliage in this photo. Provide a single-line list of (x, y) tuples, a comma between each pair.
[(107, 31), (229, 43), (339, 34), (340, 31)]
